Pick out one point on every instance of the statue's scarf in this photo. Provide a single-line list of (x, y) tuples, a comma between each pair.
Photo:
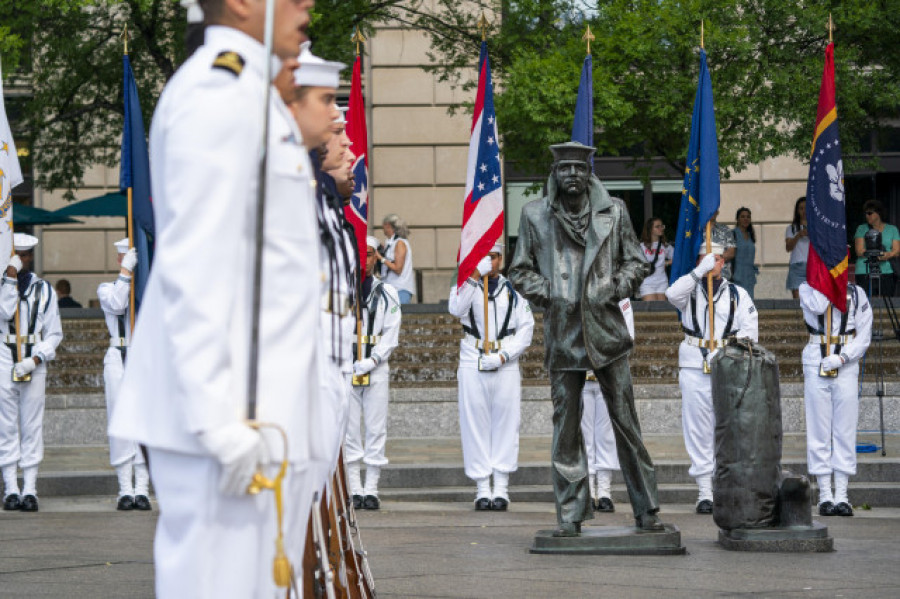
[(575, 225)]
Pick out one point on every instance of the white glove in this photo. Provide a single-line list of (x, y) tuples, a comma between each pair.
[(707, 264), (240, 450), (15, 262), (490, 361), (832, 362), (484, 267), (129, 261), (24, 367), (364, 366)]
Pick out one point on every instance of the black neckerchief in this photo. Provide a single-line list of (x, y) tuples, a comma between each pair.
[(367, 286), (24, 278), (492, 284)]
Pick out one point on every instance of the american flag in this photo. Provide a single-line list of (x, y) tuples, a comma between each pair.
[(483, 209), (357, 211)]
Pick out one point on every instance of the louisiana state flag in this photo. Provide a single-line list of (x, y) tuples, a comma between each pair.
[(826, 213)]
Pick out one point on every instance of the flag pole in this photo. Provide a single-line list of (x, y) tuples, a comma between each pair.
[(710, 301), (483, 25), (130, 196)]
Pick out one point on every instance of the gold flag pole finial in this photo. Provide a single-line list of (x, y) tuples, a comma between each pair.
[(830, 28), (357, 39), (483, 26), (588, 37), (701, 34), (124, 37)]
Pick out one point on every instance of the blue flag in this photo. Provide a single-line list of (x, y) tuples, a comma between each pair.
[(583, 125), (700, 193), (134, 173)]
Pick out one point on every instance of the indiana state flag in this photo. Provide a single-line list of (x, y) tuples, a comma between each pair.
[(826, 213), (700, 193)]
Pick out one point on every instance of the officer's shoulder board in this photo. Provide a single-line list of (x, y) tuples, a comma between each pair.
[(229, 61)]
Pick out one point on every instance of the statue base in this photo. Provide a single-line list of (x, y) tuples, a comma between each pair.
[(789, 539), (611, 540)]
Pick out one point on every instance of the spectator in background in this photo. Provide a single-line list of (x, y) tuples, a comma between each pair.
[(659, 254), (745, 270), (890, 243), (396, 261), (63, 291), (796, 241)]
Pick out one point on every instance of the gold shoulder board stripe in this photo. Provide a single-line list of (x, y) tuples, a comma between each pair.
[(229, 61)]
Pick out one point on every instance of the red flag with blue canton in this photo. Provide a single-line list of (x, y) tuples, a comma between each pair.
[(482, 223), (826, 213), (357, 211)]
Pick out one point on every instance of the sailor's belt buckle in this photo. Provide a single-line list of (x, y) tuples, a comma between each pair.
[(30, 339), (371, 339), (823, 340), (337, 303), (710, 344), (487, 346), (591, 377), (118, 342), (360, 380)]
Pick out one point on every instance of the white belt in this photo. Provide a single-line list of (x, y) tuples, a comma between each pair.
[(371, 339), (822, 339), (32, 339), (704, 343), (479, 343), (118, 342), (337, 303)]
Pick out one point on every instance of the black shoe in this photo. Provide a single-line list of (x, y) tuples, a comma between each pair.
[(705, 507), (843, 509), (483, 504), (499, 504), (649, 522), (125, 503), (605, 504), (826, 508), (370, 502), (12, 503), (568, 529), (29, 504), (142, 503), (357, 502)]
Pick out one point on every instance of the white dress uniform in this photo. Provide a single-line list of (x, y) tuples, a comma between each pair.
[(735, 316), (124, 454), (22, 404), (187, 367), (599, 437), (381, 317), (832, 404), (489, 401)]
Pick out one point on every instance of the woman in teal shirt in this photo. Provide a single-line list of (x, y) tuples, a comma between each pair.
[(890, 241)]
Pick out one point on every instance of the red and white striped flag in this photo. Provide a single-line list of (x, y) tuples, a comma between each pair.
[(482, 222)]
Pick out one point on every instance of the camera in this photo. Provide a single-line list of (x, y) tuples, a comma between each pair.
[(874, 250)]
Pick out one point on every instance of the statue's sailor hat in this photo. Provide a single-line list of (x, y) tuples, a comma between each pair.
[(717, 249), (24, 242), (572, 151), (122, 246), (316, 72)]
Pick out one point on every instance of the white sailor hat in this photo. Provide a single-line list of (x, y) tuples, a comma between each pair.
[(24, 242), (372, 242), (497, 248), (316, 72), (716, 248), (342, 112), (122, 245), (194, 12)]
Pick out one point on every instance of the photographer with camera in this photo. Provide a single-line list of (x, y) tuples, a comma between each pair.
[(796, 241), (873, 257)]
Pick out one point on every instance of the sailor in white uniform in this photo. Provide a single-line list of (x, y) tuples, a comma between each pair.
[(599, 437), (380, 317), (124, 455), (832, 403), (735, 316), (490, 385), (185, 390), (29, 344)]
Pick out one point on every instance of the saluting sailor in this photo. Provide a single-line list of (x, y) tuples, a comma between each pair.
[(832, 402), (185, 390), (599, 436), (490, 385), (124, 455), (29, 344), (380, 317), (735, 316)]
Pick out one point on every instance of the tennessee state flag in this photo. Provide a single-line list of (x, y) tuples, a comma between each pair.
[(483, 208), (826, 213), (357, 211)]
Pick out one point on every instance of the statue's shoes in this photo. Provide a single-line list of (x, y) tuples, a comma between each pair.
[(826, 508), (649, 522), (605, 504), (125, 503), (843, 509), (12, 503), (29, 503), (499, 504), (483, 504), (705, 507), (142, 503), (568, 529)]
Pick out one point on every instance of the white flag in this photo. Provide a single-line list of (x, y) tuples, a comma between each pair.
[(10, 176)]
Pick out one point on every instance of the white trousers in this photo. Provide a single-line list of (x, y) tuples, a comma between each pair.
[(698, 420), (832, 413), (371, 404), (209, 545), (332, 406), (489, 404), (121, 451), (599, 438), (21, 418)]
